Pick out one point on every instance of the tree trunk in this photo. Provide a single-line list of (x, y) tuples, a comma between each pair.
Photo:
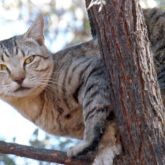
[(135, 95)]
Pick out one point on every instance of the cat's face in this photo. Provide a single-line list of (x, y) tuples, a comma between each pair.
[(25, 64)]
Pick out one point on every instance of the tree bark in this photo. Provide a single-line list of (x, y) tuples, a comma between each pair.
[(135, 94)]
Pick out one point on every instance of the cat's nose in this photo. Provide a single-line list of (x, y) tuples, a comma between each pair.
[(19, 80)]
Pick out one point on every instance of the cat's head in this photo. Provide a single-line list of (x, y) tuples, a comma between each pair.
[(25, 63)]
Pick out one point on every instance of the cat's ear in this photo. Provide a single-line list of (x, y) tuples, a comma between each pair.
[(36, 31)]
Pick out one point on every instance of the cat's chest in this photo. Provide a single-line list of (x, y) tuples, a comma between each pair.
[(69, 122), (51, 114), (56, 118), (28, 107)]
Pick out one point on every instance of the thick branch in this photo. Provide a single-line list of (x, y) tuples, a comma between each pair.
[(40, 154)]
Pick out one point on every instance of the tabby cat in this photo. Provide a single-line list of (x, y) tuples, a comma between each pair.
[(155, 20), (67, 93)]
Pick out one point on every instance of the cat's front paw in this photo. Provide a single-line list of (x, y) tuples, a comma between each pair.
[(77, 150)]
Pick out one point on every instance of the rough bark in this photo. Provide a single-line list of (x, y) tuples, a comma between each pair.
[(135, 95)]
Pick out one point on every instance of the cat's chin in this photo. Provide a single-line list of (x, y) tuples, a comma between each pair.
[(22, 92), (22, 89), (26, 92)]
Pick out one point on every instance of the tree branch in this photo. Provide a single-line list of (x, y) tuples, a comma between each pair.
[(41, 154)]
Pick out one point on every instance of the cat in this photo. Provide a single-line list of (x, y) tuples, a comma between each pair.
[(66, 93), (155, 21)]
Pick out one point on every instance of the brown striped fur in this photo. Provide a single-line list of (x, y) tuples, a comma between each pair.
[(155, 20), (67, 92)]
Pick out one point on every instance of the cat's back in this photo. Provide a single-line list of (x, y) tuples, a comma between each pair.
[(90, 48), (72, 65), (155, 20)]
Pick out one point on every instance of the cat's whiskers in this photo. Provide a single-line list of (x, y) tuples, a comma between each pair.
[(50, 84), (7, 85)]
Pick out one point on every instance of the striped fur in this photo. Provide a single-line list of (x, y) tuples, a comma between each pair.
[(65, 94), (155, 20)]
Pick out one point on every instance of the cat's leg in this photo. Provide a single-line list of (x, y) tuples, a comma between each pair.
[(96, 109), (94, 129)]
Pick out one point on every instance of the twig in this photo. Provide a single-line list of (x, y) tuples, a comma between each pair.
[(40, 154)]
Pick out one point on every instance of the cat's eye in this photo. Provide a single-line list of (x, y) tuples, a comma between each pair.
[(29, 60), (3, 67)]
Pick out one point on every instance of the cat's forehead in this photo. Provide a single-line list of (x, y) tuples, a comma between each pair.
[(17, 45), (7, 45), (9, 49)]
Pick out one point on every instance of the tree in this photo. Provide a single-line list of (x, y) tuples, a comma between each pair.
[(138, 107)]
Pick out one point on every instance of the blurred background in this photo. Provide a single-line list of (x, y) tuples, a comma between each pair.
[(66, 24)]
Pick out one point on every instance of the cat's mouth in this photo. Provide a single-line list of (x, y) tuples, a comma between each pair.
[(22, 89)]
